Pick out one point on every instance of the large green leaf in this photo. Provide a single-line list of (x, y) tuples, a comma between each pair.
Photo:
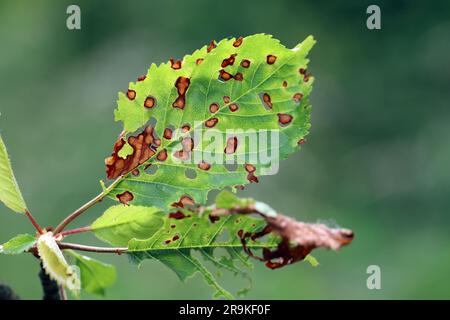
[(269, 85), (95, 275), (120, 223), (18, 244), (9, 190)]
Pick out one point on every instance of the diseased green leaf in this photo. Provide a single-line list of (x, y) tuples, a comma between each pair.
[(95, 275), (119, 224), (185, 231), (18, 244), (9, 189), (190, 100)]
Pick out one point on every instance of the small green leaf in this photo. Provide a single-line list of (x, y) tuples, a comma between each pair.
[(9, 189), (18, 244), (312, 261), (95, 275), (119, 224), (54, 263)]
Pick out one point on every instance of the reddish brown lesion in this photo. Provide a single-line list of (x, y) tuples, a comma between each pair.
[(143, 149), (245, 63), (213, 107), (125, 197), (267, 100), (141, 78), (199, 60), (211, 46), (231, 146), (233, 107), (175, 64), (271, 59), (131, 94), (297, 97), (225, 76), (285, 84), (184, 201), (238, 42), (182, 85), (185, 128), (210, 123), (302, 141), (162, 155), (306, 75), (229, 61), (167, 133), (178, 215), (238, 76), (150, 102), (226, 99), (203, 165), (284, 118), (251, 169)]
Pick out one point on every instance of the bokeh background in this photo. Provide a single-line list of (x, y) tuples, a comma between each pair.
[(377, 159)]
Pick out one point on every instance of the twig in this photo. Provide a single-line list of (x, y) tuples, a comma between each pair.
[(74, 231), (81, 247), (34, 222), (86, 206), (62, 293)]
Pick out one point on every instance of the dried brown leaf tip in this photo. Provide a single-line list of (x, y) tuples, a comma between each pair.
[(211, 46), (298, 239), (238, 42), (182, 84), (125, 197), (271, 59), (143, 148), (175, 64)]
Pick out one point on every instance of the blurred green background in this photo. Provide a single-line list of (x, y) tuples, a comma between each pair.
[(377, 159)]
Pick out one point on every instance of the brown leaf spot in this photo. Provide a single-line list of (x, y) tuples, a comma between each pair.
[(175, 237), (162, 155), (226, 99), (231, 146), (240, 187), (213, 219), (285, 84), (181, 154), (125, 197), (251, 173), (135, 172), (228, 61), (211, 122), (245, 63), (182, 84), (185, 128), (238, 76), (271, 59), (141, 78), (188, 144), (225, 76), (177, 215), (267, 101), (184, 201), (297, 97), (198, 61), (204, 166), (249, 167), (211, 46), (167, 133), (131, 94), (167, 241), (142, 145), (238, 42), (172, 226), (175, 64), (233, 107), (302, 71), (149, 102), (213, 107), (302, 141), (284, 118)]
